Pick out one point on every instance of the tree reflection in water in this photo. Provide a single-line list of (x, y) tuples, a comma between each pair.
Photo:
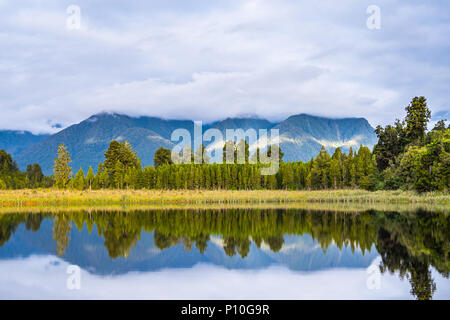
[(408, 242)]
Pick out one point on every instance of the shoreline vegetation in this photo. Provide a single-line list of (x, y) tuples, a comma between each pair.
[(408, 166), (11, 200)]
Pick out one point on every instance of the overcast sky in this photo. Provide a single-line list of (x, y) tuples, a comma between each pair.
[(208, 60)]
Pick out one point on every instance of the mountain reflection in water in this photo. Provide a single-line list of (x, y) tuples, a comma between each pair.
[(409, 244)]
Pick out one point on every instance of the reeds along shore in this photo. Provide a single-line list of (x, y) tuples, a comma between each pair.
[(39, 197)]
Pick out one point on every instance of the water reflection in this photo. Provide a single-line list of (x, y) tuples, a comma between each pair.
[(409, 243)]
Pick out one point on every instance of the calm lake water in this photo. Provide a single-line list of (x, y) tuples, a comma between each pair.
[(225, 254)]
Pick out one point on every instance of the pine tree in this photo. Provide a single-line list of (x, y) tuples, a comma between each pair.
[(229, 152), (242, 153), (320, 172), (78, 182), (334, 173), (162, 156), (123, 153), (219, 177), (207, 174), (417, 117), (119, 175), (90, 177), (61, 169), (201, 156), (351, 170), (288, 176)]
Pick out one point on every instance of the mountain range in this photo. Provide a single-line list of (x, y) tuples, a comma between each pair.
[(301, 137), (16, 141), (87, 250)]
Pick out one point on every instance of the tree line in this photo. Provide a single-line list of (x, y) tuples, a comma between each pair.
[(406, 156), (12, 178), (122, 169)]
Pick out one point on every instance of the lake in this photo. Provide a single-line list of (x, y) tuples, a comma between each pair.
[(224, 254)]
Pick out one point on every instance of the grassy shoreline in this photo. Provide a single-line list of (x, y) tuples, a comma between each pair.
[(54, 197), (320, 207)]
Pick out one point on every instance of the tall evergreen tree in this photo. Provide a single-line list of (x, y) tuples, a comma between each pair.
[(417, 117), (90, 177), (162, 156), (79, 181), (61, 169), (34, 175)]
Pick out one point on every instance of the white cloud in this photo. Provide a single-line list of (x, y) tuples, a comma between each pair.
[(45, 277), (208, 61), (354, 142)]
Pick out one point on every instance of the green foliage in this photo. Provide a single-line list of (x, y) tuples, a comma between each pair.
[(62, 170), (410, 158), (391, 142), (426, 168), (7, 165), (229, 152), (440, 126), (10, 176), (79, 182), (162, 156), (406, 157), (119, 157), (90, 178), (201, 155), (322, 173), (270, 150), (417, 117), (392, 180), (242, 154), (34, 176)]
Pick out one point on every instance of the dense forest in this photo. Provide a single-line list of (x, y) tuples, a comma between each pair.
[(407, 156)]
